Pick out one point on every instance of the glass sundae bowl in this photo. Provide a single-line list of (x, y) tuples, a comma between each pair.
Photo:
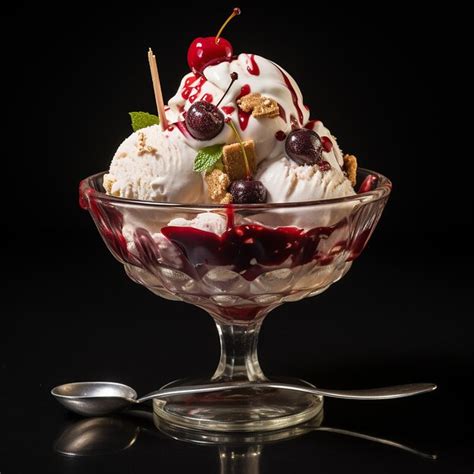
[(237, 262)]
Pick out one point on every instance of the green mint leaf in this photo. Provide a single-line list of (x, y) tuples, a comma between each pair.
[(143, 119), (207, 157)]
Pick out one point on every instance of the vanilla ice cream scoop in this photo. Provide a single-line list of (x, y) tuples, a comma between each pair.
[(155, 165), (287, 182)]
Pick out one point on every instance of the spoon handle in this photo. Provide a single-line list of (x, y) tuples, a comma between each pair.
[(383, 393)]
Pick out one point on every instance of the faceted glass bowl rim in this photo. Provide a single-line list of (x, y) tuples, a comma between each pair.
[(382, 190)]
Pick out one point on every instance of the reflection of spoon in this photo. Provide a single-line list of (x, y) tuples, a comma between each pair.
[(387, 442), (95, 436), (103, 398), (104, 435)]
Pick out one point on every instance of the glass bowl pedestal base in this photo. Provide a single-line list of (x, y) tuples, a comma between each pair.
[(247, 409)]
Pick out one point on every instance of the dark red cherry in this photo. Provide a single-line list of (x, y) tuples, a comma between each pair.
[(204, 120), (204, 52), (248, 191), (304, 146)]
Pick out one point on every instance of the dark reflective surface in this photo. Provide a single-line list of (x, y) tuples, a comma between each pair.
[(238, 452), (414, 435)]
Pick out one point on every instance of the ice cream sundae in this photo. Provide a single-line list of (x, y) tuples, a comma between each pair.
[(233, 199)]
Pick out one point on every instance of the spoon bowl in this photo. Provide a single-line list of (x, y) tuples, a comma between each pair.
[(94, 398)]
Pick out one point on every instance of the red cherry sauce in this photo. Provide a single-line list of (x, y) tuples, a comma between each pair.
[(294, 96), (228, 109), (369, 183), (188, 86), (324, 165), (243, 116), (282, 113), (326, 143), (249, 249), (311, 124), (197, 87), (294, 122), (280, 135), (207, 98), (252, 67)]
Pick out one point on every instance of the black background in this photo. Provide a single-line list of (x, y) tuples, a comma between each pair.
[(380, 80)]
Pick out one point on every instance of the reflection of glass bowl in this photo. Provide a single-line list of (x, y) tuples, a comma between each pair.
[(262, 256)]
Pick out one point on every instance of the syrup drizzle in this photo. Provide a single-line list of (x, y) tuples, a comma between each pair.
[(253, 68), (207, 98), (282, 113), (190, 85), (369, 183), (326, 143), (187, 88), (311, 124), (294, 96), (228, 109)]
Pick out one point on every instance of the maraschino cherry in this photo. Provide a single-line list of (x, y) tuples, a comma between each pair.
[(204, 120), (211, 50)]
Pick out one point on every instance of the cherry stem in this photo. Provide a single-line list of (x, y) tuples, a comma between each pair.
[(235, 12), (247, 167), (234, 76)]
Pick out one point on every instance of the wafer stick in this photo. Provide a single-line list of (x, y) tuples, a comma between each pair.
[(160, 105)]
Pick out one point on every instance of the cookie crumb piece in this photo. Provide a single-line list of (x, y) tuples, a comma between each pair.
[(108, 182), (217, 184), (234, 161), (142, 146), (259, 105), (227, 199), (350, 167)]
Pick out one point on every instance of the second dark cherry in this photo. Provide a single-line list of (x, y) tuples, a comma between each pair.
[(204, 120), (304, 146), (248, 191)]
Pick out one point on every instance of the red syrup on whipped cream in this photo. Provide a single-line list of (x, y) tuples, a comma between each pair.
[(192, 83), (252, 67), (294, 96), (228, 109), (207, 98), (326, 143)]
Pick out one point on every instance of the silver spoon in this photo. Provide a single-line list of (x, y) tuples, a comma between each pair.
[(103, 398)]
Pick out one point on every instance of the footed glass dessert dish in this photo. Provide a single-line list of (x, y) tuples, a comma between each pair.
[(237, 262)]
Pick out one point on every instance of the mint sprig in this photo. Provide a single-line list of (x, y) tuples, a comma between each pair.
[(143, 119), (207, 157)]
